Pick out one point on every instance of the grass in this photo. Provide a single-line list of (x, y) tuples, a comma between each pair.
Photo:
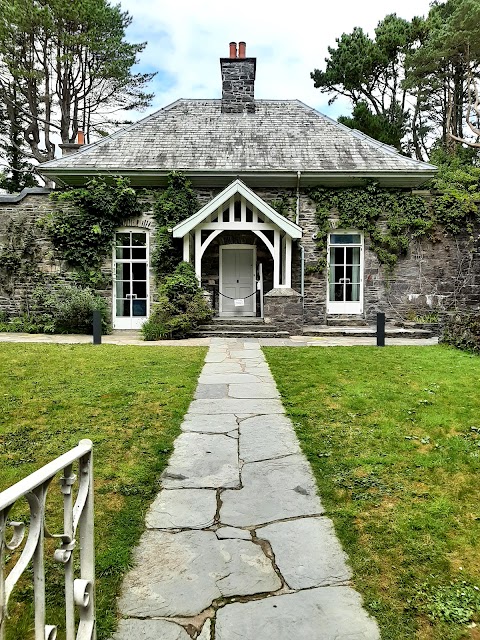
[(130, 402), (393, 436)]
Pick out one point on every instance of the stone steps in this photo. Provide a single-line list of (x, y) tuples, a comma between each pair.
[(391, 331), (346, 321), (238, 334), (238, 328)]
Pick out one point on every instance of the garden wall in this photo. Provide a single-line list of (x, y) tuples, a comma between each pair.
[(438, 273)]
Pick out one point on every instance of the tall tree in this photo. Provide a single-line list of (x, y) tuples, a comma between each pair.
[(370, 73), (440, 71), (16, 172), (71, 67)]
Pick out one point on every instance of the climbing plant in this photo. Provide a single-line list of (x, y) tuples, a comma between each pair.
[(82, 228), (457, 184), (285, 206), (176, 203), (18, 255), (390, 217)]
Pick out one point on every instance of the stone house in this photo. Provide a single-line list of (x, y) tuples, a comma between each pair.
[(254, 257)]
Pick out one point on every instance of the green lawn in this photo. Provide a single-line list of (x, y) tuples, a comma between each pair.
[(130, 402), (393, 436)]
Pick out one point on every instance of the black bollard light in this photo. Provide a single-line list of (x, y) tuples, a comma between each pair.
[(380, 329), (97, 327)]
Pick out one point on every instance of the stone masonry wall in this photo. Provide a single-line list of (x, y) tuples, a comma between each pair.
[(436, 274), (26, 210), (238, 83)]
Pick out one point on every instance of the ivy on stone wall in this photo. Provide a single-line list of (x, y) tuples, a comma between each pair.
[(18, 255), (390, 217), (285, 206), (82, 231), (174, 204)]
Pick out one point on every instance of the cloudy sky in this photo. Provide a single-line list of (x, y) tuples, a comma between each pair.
[(186, 38)]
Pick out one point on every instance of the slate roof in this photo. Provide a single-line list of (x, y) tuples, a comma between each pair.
[(195, 136)]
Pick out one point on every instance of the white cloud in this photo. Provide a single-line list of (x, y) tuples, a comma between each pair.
[(186, 39)]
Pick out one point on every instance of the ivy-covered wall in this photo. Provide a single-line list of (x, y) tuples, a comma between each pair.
[(438, 271), (28, 259)]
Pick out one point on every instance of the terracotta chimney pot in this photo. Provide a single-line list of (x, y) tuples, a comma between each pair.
[(233, 49), (242, 49), (81, 137)]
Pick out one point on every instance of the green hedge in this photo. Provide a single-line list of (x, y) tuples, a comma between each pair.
[(463, 331)]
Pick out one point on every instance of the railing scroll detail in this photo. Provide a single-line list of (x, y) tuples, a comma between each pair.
[(77, 531)]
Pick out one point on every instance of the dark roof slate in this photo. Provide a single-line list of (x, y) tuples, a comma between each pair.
[(282, 135)]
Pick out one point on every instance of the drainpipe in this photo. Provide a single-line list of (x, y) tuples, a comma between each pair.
[(297, 214), (302, 273), (302, 248)]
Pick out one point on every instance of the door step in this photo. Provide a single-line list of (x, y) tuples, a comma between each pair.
[(346, 321), (238, 328), (369, 331)]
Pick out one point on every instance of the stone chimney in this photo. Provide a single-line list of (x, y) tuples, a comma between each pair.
[(238, 80), (72, 147)]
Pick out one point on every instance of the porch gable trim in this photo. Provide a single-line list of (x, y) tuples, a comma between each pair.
[(237, 186)]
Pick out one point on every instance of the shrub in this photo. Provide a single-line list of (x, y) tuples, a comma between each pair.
[(63, 309), (180, 308), (463, 331), (72, 309)]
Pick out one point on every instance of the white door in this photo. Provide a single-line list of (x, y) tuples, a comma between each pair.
[(130, 285), (237, 281), (345, 273)]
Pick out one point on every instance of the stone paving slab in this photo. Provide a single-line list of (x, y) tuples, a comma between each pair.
[(210, 423), (307, 552), (267, 437), (228, 378), (247, 354), (206, 632), (183, 509), (237, 493), (221, 367), (202, 460), (211, 391), (255, 390), (234, 405), (326, 613), (150, 630), (232, 532), (181, 574), (272, 490)]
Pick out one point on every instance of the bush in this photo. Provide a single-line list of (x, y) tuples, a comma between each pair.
[(72, 309), (463, 331), (181, 306), (65, 309)]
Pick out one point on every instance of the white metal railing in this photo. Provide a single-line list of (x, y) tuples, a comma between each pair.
[(77, 516)]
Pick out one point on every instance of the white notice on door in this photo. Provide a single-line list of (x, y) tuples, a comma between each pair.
[(239, 302)]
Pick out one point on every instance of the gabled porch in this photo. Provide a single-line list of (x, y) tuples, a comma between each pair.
[(241, 249)]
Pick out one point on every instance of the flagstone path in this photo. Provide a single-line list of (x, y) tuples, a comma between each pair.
[(236, 545)]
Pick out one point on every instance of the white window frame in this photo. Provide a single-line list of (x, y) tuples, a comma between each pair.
[(345, 307)]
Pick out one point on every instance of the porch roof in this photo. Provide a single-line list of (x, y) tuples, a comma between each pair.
[(236, 187)]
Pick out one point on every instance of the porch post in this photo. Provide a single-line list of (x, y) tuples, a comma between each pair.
[(288, 261), (186, 247), (276, 259), (198, 254)]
